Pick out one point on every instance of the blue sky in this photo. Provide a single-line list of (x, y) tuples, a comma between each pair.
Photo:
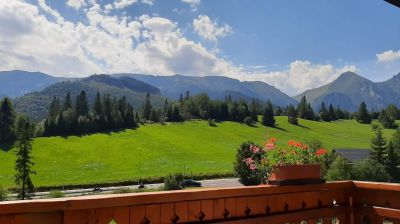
[(293, 45)]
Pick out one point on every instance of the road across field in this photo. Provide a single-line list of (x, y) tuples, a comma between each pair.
[(216, 183)]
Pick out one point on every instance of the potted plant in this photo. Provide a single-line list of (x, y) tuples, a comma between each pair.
[(295, 164)]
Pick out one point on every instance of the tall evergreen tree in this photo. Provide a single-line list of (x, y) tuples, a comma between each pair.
[(23, 164), (292, 115), (378, 146), (392, 161), (98, 109), (310, 113), (331, 112), (302, 108), (268, 118), (7, 118), (67, 102), (54, 109), (363, 115), (386, 120), (147, 107), (323, 113), (82, 107), (253, 110)]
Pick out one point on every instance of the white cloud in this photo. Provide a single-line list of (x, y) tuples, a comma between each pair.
[(149, 2), (388, 56), (299, 76), (120, 4), (210, 30), (50, 11), (193, 3), (76, 4), (111, 44)]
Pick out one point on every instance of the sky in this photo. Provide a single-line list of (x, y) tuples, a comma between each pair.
[(292, 45)]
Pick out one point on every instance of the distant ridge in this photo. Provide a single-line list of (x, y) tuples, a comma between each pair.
[(350, 89), (217, 87)]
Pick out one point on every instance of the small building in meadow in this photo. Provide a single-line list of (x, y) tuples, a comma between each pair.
[(353, 155)]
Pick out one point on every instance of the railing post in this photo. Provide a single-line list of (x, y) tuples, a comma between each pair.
[(351, 203)]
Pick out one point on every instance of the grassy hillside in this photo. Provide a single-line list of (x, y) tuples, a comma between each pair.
[(155, 150)]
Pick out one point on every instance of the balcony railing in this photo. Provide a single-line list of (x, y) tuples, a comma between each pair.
[(335, 202)]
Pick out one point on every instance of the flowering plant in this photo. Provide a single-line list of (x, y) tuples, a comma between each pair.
[(266, 159)]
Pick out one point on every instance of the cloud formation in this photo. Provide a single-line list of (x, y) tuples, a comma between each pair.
[(210, 30), (193, 3), (388, 56), (120, 4), (38, 38), (76, 4)]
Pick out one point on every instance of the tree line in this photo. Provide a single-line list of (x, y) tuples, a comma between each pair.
[(76, 117)]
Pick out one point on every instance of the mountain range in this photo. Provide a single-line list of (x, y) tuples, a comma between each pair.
[(32, 91), (36, 104), (350, 89)]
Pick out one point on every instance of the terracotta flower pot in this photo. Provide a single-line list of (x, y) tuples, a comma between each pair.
[(296, 174)]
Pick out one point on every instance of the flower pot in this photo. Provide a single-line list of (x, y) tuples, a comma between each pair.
[(296, 174)]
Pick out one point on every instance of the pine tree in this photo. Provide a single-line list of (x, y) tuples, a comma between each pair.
[(81, 108), (137, 117), (331, 112), (323, 113), (392, 160), (147, 108), (253, 110), (302, 108), (378, 146), (310, 114), (386, 120), (292, 115), (67, 102), (7, 118), (154, 116), (54, 108), (23, 164), (363, 115), (98, 106), (268, 115)]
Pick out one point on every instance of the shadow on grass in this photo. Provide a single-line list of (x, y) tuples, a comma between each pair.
[(302, 126), (279, 128), (108, 132), (6, 146)]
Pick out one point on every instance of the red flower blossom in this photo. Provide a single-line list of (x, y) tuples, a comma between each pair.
[(321, 152)]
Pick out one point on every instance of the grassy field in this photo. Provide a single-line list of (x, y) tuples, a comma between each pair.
[(156, 150)]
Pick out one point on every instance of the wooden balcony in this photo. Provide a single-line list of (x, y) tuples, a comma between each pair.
[(335, 202)]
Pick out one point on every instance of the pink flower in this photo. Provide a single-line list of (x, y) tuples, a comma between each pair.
[(253, 167), (270, 146), (249, 161), (254, 149)]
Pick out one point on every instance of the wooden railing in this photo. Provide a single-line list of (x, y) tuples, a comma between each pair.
[(335, 202)]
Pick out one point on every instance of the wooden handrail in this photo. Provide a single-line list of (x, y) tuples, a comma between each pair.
[(346, 200)]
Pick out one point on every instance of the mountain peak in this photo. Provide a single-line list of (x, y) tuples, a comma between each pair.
[(350, 76)]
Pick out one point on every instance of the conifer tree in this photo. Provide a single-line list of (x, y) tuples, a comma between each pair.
[(81, 108), (292, 115), (363, 115), (331, 112), (98, 106), (386, 120), (378, 146), (392, 160), (268, 115), (67, 102), (253, 110), (323, 113), (7, 118), (54, 108), (147, 108), (302, 108), (23, 164)]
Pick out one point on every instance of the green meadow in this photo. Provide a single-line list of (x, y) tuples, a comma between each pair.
[(154, 150)]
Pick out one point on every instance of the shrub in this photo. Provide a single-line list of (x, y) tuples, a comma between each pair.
[(3, 194), (248, 120), (173, 182), (212, 123), (246, 175), (56, 194), (370, 170), (339, 170)]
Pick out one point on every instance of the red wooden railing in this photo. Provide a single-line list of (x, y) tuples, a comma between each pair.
[(335, 202)]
